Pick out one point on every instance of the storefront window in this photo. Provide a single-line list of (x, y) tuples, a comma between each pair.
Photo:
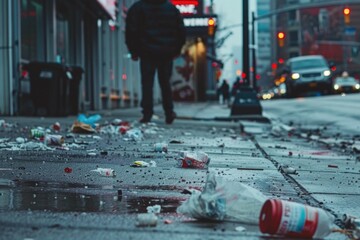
[(32, 30), (62, 33)]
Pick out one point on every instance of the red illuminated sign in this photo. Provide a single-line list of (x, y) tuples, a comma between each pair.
[(185, 2), (186, 7)]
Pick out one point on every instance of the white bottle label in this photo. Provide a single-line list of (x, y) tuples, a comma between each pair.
[(298, 218)]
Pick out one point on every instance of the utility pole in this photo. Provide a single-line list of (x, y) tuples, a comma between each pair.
[(254, 83), (246, 42)]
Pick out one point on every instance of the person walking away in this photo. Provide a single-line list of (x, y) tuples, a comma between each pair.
[(155, 33), (224, 89)]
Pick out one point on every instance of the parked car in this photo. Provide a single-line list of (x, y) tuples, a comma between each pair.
[(307, 73), (346, 84)]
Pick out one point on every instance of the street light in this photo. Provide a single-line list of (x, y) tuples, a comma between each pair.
[(281, 38), (347, 12)]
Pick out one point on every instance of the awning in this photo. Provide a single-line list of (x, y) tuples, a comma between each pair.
[(104, 9)]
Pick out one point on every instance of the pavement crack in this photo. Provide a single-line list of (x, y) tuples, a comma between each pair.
[(299, 189)]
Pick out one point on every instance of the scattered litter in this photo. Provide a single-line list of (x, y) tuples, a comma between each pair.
[(56, 126), (37, 133), (176, 141), (108, 172), (3, 140), (224, 201), (36, 146), (146, 220), (134, 134), (332, 166), (287, 169), (123, 129), (116, 122), (160, 147), (193, 160), (62, 148), (153, 209), (352, 226), (284, 218), (187, 191), (91, 120), (240, 229), (20, 140), (167, 221), (222, 145), (290, 153), (68, 170), (79, 127), (54, 140), (144, 164)]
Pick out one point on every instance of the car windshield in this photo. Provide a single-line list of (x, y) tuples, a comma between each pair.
[(345, 80), (308, 63)]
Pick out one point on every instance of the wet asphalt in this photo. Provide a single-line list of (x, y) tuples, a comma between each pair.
[(53, 194)]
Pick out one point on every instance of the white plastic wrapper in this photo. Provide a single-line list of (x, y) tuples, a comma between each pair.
[(224, 201)]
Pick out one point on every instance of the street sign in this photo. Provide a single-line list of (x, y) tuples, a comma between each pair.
[(350, 31)]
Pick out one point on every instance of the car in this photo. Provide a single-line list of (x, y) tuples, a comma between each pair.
[(307, 74), (346, 84)]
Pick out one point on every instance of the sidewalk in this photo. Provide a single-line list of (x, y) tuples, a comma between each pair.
[(206, 111), (245, 151)]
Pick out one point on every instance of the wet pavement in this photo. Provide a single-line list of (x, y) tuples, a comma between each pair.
[(41, 198)]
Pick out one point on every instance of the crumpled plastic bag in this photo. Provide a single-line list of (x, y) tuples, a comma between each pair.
[(190, 159), (224, 201), (91, 120), (134, 134)]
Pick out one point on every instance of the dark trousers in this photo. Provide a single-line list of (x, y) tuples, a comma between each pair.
[(148, 67)]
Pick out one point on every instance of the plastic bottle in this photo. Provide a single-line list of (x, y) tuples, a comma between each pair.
[(160, 147), (108, 172), (279, 217)]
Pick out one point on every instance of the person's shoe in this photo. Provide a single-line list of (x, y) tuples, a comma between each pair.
[(170, 119), (144, 120)]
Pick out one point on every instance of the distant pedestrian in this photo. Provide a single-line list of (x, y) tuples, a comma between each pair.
[(155, 33), (225, 91)]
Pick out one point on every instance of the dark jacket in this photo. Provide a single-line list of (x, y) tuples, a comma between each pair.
[(154, 29)]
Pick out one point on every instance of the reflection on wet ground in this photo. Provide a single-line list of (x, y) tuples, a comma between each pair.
[(70, 197)]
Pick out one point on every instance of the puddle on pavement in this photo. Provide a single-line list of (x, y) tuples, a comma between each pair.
[(70, 197)]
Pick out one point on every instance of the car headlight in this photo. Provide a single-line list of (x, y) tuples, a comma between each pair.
[(357, 86), (295, 76), (327, 73), (336, 87)]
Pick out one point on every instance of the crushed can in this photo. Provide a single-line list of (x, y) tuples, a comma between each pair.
[(56, 140), (160, 147), (37, 133)]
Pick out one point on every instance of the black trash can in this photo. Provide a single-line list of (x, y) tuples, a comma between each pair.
[(49, 88), (74, 84)]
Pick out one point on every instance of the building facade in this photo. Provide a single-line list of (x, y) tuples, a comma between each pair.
[(264, 48), (90, 34), (319, 27)]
